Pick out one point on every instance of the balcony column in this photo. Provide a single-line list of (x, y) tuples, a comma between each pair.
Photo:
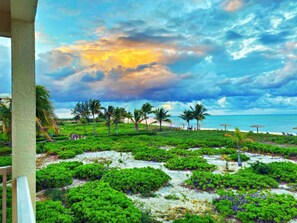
[(23, 106)]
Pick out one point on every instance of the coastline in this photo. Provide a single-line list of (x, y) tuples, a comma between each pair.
[(172, 125)]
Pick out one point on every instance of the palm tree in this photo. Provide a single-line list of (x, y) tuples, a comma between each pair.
[(81, 112), (199, 113), (161, 116), (94, 106), (146, 109), (137, 117), (187, 115), (129, 116), (45, 116), (117, 116), (5, 117), (108, 114), (238, 138)]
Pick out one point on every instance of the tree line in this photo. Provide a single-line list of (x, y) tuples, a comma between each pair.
[(82, 112)]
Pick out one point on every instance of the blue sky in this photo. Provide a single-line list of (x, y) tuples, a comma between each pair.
[(234, 56)]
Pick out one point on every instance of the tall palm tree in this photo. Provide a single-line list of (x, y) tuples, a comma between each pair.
[(199, 113), (108, 114), (45, 116), (187, 115), (238, 138), (137, 117), (161, 115), (117, 116), (146, 110), (94, 106)]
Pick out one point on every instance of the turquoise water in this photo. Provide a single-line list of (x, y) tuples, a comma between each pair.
[(271, 123)]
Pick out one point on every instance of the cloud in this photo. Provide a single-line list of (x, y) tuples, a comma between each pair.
[(232, 5), (231, 55)]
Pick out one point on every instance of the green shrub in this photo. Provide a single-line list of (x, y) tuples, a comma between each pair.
[(201, 151), (256, 206), (171, 197), (98, 202), (66, 154), (280, 171), (90, 171), (55, 175), (195, 219), (5, 161), (53, 212), (243, 157), (136, 180), (55, 194), (152, 154), (189, 163), (5, 151), (210, 181)]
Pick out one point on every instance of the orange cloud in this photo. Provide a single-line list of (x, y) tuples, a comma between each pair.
[(232, 5), (116, 51), (109, 54)]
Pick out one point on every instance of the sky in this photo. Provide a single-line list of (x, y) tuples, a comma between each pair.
[(233, 56)]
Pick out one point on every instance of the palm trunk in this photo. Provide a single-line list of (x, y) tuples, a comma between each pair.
[(238, 158), (93, 124), (136, 127), (160, 126), (117, 128), (108, 125), (146, 124), (197, 124), (188, 124)]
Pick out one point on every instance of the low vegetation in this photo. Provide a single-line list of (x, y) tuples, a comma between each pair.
[(103, 204), (53, 211), (56, 175), (136, 180), (189, 163), (242, 181), (195, 219), (257, 206)]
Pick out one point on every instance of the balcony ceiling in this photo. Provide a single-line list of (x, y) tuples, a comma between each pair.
[(24, 10)]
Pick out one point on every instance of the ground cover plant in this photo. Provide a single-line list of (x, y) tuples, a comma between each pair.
[(152, 154), (257, 206), (53, 211), (136, 180), (180, 150), (5, 151), (195, 219), (56, 175), (283, 172), (209, 181), (98, 202), (5, 160), (201, 151), (189, 163), (90, 171), (234, 157)]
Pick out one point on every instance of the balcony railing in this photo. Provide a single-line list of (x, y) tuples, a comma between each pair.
[(25, 212), (4, 171)]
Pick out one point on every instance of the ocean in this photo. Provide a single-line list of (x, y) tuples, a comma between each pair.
[(271, 123)]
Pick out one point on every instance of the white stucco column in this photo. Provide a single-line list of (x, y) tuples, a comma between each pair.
[(23, 105)]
